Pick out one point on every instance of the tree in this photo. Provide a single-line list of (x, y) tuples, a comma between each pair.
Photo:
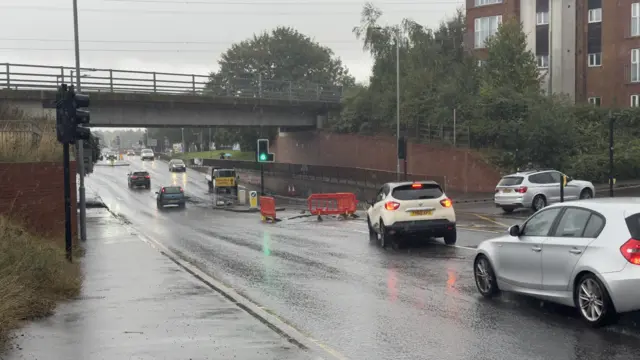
[(272, 62), (283, 54)]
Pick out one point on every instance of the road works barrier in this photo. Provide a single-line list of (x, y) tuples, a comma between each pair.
[(268, 208), (342, 204)]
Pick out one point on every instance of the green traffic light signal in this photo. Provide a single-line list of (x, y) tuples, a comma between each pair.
[(263, 157)]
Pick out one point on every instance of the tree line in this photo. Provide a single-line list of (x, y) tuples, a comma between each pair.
[(509, 117)]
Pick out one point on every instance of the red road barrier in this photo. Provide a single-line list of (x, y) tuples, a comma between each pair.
[(267, 207), (332, 204)]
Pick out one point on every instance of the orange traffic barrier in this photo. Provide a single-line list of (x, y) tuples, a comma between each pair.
[(267, 208), (332, 204)]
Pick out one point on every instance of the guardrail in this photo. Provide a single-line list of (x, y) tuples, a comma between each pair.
[(335, 174), (43, 77)]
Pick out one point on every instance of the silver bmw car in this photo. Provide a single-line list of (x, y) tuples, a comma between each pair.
[(584, 254)]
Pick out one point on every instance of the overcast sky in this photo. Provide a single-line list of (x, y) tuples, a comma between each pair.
[(187, 36)]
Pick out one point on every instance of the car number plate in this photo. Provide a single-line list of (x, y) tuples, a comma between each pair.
[(506, 190), (422, 213), (173, 201)]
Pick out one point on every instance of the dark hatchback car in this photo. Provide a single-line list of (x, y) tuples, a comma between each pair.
[(170, 195), (139, 178)]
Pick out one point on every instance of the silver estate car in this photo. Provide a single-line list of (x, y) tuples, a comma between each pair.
[(536, 189), (584, 254)]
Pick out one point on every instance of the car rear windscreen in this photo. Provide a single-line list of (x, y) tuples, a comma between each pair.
[(633, 224), (226, 173), (172, 190), (511, 181), (408, 192), (140, 173)]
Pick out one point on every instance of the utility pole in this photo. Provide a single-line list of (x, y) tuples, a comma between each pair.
[(80, 154), (398, 100), (454, 127)]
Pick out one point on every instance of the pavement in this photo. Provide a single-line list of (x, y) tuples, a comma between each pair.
[(354, 300), (137, 303)]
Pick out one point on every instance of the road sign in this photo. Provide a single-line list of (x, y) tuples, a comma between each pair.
[(152, 142), (253, 199)]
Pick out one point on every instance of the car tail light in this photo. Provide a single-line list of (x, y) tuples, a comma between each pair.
[(446, 203), (147, 177), (162, 189), (631, 251), (416, 186), (134, 177), (181, 190), (391, 205), (522, 189)]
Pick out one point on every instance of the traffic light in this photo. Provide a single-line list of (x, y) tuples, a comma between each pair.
[(263, 154), (72, 117), (63, 120)]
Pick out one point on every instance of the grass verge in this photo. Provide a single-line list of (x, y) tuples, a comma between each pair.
[(34, 276), (235, 155)]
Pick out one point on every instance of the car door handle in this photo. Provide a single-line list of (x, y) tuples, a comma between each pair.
[(536, 248), (575, 251)]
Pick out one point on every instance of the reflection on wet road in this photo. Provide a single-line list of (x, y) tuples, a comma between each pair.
[(325, 279)]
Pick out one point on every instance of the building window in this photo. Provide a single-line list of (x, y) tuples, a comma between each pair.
[(595, 101), (543, 61), (486, 27), (635, 19), (487, 2), (542, 18), (635, 65), (595, 59), (595, 15), (635, 100)]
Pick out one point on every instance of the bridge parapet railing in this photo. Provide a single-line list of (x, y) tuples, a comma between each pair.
[(44, 77)]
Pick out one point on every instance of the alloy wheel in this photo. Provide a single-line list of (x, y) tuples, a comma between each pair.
[(484, 280), (591, 300)]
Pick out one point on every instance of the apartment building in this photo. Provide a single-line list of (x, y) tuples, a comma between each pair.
[(587, 49)]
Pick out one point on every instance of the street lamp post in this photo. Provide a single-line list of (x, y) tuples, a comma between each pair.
[(80, 160), (398, 104)]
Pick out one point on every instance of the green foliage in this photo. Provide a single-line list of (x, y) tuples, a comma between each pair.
[(501, 102), (272, 58)]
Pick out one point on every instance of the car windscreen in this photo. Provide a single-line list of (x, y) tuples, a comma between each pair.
[(225, 173), (511, 181), (412, 192), (140, 173), (177, 162), (172, 190)]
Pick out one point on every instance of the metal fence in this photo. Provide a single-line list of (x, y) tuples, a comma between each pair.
[(43, 77), (456, 136), (335, 174)]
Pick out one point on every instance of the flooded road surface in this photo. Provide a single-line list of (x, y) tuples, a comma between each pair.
[(363, 302)]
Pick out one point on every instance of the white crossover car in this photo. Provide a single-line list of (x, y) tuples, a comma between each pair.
[(411, 208), (584, 254)]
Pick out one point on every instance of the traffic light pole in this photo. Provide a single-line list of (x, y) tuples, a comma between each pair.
[(67, 203), (80, 154), (261, 179)]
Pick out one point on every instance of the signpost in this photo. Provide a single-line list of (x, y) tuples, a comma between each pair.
[(253, 199)]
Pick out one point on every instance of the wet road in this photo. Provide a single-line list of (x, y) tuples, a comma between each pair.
[(363, 302)]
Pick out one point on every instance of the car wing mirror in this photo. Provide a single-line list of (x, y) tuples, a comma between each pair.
[(157, 192), (514, 230)]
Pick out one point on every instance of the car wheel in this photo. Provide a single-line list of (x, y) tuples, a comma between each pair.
[(586, 194), (385, 237), (539, 203), (373, 235), (451, 237), (593, 301), (159, 205), (147, 187), (485, 277), (508, 210)]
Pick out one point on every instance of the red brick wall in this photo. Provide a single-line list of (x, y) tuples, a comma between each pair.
[(34, 192), (465, 170)]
